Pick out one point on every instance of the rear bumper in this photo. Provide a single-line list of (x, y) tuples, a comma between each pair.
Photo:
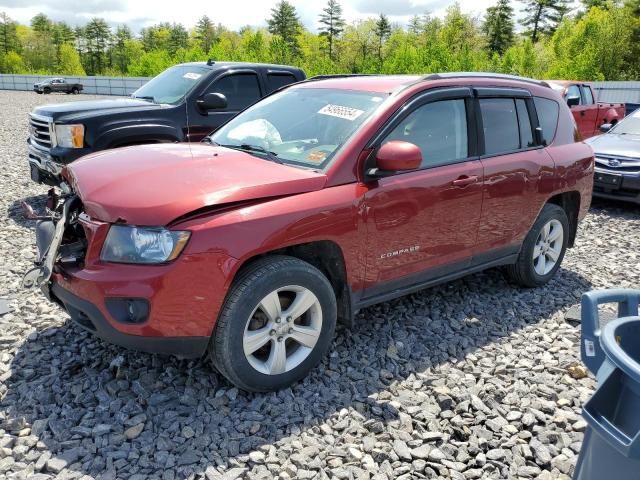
[(89, 317)]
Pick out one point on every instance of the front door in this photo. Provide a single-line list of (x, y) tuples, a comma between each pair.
[(423, 224), (241, 89)]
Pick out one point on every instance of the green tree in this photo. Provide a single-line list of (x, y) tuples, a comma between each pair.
[(121, 58), (499, 27), (12, 62), (543, 16), (332, 23), (8, 35), (97, 36), (285, 23), (632, 59), (41, 24), (205, 33), (178, 38), (383, 31), (69, 62)]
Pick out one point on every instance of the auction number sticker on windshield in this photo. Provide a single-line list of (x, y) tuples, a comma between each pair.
[(192, 76), (339, 111)]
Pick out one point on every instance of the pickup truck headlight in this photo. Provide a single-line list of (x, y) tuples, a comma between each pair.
[(70, 136), (127, 244)]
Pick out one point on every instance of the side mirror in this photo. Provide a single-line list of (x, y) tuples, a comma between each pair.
[(212, 101), (605, 127), (397, 156), (573, 101)]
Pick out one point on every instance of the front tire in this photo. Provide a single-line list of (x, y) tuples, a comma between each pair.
[(47, 91), (276, 324), (543, 248)]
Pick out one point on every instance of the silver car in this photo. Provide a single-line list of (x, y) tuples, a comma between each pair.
[(617, 154)]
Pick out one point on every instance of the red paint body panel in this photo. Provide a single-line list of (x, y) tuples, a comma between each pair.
[(257, 207), (590, 117)]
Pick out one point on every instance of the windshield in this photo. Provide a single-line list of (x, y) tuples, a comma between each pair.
[(300, 126), (628, 126), (171, 85)]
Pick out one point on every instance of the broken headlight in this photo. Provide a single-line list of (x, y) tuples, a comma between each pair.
[(127, 244)]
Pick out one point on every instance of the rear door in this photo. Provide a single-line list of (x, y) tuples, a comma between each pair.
[(518, 173), (422, 225), (589, 112), (241, 89)]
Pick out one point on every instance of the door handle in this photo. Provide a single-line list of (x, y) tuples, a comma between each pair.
[(465, 180)]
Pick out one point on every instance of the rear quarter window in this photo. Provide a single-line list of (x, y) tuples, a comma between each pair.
[(547, 111)]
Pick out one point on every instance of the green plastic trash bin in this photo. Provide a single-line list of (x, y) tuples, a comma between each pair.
[(611, 446)]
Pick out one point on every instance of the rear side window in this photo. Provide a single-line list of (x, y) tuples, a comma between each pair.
[(241, 90), (588, 96), (500, 125), (278, 80), (526, 133), (439, 129), (547, 117)]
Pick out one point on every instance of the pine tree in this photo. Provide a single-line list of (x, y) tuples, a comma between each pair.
[(543, 16), (178, 38), (499, 27), (41, 23), (284, 22), (205, 33), (415, 25), (8, 35), (383, 31), (122, 36), (97, 35), (333, 23)]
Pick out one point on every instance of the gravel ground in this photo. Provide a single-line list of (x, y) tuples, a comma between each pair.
[(473, 379)]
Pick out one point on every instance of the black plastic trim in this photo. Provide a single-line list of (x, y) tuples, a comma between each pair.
[(88, 316)]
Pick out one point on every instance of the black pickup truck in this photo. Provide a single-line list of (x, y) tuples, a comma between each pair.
[(184, 103), (57, 85)]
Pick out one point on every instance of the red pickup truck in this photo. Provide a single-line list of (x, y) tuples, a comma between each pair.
[(587, 111)]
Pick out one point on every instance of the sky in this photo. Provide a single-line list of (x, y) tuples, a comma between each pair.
[(141, 13)]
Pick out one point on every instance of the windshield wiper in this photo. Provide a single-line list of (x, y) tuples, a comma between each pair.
[(272, 156), (146, 97)]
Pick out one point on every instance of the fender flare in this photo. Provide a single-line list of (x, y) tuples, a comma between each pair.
[(143, 133)]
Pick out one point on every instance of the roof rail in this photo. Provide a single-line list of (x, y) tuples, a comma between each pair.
[(439, 76), (340, 75)]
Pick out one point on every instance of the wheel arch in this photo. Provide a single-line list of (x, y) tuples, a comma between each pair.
[(326, 256), (570, 203)]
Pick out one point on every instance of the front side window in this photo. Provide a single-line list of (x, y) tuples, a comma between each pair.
[(240, 89), (547, 111), (172, 85), (439, 129), (574, 91), (300, 126), (500, 125)]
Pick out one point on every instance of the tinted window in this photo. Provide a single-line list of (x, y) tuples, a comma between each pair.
[(500, 125), (241, 90), (439, 129), (547, 111), (526, 134), (278, 80), (574, 91), (588, 96)]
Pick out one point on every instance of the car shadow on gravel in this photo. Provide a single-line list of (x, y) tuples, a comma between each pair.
[(75, 402)]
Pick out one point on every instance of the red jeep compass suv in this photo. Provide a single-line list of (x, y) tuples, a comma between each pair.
[(319, 200)]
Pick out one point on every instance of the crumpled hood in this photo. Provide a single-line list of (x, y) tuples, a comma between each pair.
[(614, 144), (155, 184)]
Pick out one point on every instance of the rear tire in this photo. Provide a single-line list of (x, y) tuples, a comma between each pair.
[(75, 90), (543, 248), (275, 326)]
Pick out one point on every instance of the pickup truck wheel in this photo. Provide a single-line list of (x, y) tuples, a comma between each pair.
[(47, 91), (75, 90), (543, 248), (276, 324), (39, 93)]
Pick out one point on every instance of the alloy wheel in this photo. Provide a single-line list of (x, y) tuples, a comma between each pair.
[(548, 247), (283, 330)]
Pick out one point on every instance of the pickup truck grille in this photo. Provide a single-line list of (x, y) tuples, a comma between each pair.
[(40, 132), (618, 164)]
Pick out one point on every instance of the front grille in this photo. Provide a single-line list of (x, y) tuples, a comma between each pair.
[(40, 132), (617, 164)]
